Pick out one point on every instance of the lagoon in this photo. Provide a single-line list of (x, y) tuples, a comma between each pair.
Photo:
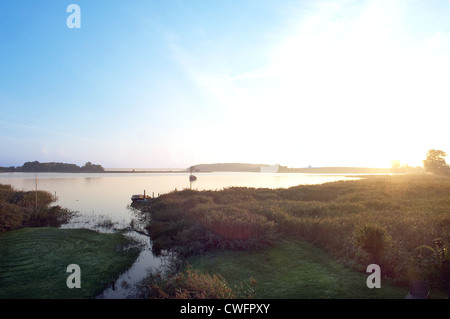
[(100, 197), (109, 194)]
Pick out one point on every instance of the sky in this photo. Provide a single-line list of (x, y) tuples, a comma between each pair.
[(174, 83)]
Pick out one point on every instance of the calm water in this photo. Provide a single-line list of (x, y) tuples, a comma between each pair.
[(109, 194), (106, 196)]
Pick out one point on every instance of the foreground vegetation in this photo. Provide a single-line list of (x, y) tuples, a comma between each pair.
[(34, 262), (401, 223), (35, 253), (29, 209)]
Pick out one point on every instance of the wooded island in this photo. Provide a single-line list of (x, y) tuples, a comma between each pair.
[(54, 167)]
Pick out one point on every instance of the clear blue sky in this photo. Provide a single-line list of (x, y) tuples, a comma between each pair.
[(173, 83)]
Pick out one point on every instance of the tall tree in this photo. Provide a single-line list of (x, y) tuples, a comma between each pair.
[(395, 166), (435, 162)]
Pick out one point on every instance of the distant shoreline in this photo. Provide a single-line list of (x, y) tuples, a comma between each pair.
[(294, 171), (153, 171), (52, 167), (106, 171), (324, 170)]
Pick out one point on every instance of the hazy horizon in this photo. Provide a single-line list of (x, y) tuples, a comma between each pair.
[(184, 169), (177, 83)]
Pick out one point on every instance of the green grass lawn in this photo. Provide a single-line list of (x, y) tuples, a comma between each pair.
[(33, 262), (291, 270)]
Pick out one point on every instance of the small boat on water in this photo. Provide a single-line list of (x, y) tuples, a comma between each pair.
[(138, 198)]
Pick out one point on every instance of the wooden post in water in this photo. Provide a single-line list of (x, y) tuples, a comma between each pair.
[(36, 203)]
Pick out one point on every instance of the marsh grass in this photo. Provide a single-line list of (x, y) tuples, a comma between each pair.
[(94, 221), (412, 210)]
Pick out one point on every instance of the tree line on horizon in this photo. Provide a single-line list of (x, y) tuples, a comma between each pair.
[(55, 167)]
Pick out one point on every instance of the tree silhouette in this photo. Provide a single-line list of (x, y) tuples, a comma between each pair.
[(435, 162), (395, 164)]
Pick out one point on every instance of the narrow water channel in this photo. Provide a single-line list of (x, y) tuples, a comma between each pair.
[(128, 283)]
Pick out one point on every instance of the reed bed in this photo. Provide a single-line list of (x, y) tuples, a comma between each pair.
[(406, 222)]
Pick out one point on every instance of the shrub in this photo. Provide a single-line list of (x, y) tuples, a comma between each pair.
[(373, 239), (426, 263), (10, 217), (190, 284), (20, 209)]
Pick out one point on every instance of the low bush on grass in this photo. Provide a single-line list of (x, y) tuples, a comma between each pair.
[(193, 284), (29, 209)]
